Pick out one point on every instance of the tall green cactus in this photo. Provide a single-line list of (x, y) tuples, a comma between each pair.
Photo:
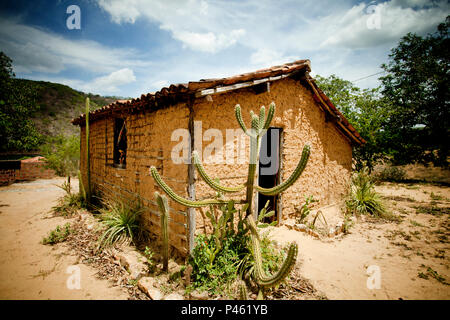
[(163, 205), (259, 126), (88, 162)]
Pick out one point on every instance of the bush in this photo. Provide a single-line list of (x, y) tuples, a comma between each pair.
[(233, 261), (62, 154), (363, 198), (122, 223), (391, 174), (219, 275)]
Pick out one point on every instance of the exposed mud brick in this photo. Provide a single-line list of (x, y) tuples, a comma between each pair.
[(149, 143)]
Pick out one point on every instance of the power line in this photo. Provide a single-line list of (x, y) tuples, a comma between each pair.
[(368, 76)]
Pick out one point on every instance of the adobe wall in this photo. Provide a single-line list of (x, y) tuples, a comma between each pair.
[(148, 143), (328, 170)]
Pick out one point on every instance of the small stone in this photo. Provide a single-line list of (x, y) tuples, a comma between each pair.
[(253, 296), (172, 266), (300, 227), (133, 262), (174, 296), (196, 295), (146, 285)]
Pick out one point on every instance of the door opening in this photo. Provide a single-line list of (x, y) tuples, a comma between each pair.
[(269, 170)]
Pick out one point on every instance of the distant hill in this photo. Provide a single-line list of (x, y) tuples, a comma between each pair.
[(59, 104)]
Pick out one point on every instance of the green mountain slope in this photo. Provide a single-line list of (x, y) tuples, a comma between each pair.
[(58, 104)]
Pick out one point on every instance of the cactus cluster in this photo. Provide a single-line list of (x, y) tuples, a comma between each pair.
[(259, 126)]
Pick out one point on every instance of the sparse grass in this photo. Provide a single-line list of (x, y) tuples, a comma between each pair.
[(416, 224), (436, 276), (58, 235), (432, 209), (70, 203), (437, 197)]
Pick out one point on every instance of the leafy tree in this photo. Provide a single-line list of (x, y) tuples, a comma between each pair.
[(17, 105), (366, 110), (62, 154), (417, 84)]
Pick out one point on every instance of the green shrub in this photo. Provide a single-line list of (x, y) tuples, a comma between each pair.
[(391, 174), (58, 235), (233, 261), (305, 209), (62, 154), (363, 198), (121, 221)]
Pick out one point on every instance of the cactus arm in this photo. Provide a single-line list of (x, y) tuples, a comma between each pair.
[(177, 198), (294, 176), (213, 184), (261, 278), (262, 117), (254, 152), (269, 116), (237, 112), (163, 205)]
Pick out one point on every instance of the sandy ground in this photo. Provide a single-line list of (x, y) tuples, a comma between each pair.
[(337, 267), (29, 269)]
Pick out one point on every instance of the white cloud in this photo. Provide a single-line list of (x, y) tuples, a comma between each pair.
[(365, 26), (36, 50), (105, 85), (208, 42), (110, 82), (268, 57), (190, 22)]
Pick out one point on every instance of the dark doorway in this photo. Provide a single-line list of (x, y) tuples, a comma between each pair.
[(269, 169)]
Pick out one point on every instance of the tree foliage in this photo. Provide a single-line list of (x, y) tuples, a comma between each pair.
[(417, 84), (62, 154), (366, 110), (17, 105)]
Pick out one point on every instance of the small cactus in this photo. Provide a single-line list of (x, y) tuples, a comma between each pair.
[(88, 162), (163, 205)]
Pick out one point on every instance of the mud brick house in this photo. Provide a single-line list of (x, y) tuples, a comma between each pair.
[(127, 137)]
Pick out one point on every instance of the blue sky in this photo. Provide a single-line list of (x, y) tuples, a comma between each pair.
[(130, 47)]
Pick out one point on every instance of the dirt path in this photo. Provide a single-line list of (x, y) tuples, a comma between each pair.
[(400, 251), (411, 255), (30, 270)]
